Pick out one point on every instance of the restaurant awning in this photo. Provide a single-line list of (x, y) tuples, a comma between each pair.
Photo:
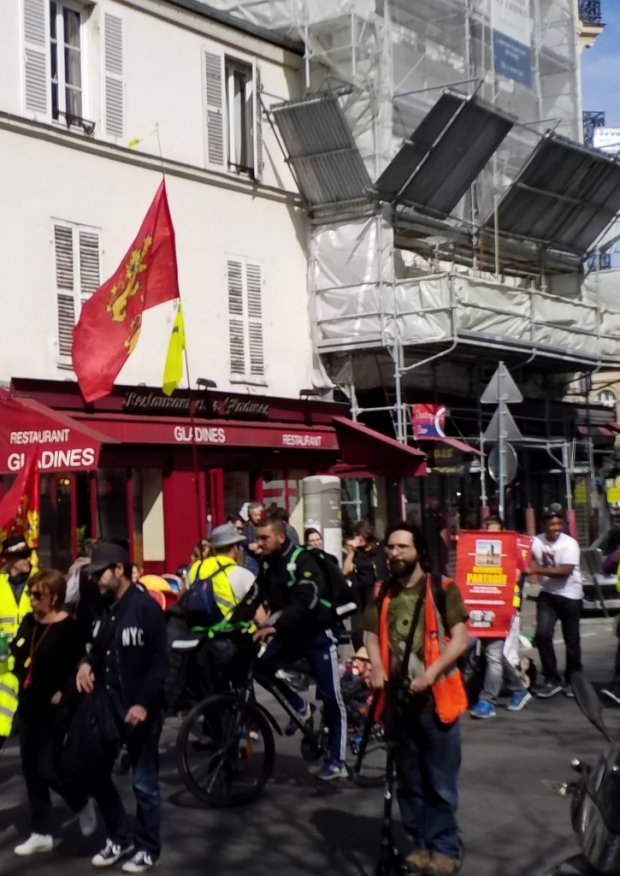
[(129, 429), (376, 452), (354, 445), (63, 443)]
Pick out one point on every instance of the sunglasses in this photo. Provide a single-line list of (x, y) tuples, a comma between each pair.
[(36, 594)]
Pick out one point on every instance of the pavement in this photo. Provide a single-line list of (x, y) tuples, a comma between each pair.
[(512, 824)]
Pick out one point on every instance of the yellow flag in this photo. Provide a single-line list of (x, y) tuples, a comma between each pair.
[(173, 369)]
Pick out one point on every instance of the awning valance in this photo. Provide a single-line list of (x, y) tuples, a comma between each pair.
[(63, 443), (456, 444), (375, 452)]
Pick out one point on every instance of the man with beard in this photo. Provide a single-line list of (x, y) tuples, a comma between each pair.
[(415, 633)]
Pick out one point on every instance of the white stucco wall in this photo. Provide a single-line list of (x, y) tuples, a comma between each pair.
[(47, 174)]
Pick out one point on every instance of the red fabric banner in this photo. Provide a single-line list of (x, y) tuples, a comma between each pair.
[(487, 570), (110, 321), (19, 507)]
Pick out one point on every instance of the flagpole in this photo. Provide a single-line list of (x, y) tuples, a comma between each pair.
[(192, 402), (192, 425)]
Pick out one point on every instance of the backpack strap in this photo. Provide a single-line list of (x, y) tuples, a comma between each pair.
[(291, 568)]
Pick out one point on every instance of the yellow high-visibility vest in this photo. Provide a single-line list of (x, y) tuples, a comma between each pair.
[(12, 613), (217, 568)]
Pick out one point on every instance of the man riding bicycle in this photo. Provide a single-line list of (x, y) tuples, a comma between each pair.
[(300, 626)]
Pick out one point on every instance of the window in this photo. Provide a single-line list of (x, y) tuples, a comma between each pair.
[(65, 62), (76, 254), (233, 135), (54, 61), (245, 320), (607, 397), (240, 112)]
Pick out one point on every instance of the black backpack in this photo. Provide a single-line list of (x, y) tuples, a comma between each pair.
[(340, 596)]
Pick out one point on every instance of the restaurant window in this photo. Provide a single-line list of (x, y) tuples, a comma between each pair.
[(112, 509)]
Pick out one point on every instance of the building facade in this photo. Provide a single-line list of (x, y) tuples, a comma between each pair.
[(97, 101)]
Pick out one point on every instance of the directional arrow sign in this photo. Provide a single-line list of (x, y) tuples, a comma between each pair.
[(501, 388), (502, 418)]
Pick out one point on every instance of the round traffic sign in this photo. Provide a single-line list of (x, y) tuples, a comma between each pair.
[(511, 463)]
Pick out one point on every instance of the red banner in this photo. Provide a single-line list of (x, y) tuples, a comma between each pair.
[(487, 569), (429, 421)]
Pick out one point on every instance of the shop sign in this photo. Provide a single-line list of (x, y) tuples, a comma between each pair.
[(238, 436), (232, 407), (58, 459), (61, 449), (429, 421), (487, 572)]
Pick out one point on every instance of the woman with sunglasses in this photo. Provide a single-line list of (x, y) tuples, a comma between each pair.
[(47, 648)]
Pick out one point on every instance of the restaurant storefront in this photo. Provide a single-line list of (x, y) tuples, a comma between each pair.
[(158, 472)]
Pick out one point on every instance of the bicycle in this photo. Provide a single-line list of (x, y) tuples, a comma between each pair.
[(225, 746)]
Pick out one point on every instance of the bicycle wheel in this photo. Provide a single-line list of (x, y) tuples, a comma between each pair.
[(225, 751), (372, 767)]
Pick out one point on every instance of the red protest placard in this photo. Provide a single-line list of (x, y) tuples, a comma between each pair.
[(486, 572)]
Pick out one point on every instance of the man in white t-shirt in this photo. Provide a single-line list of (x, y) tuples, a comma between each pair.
[(555, 562)]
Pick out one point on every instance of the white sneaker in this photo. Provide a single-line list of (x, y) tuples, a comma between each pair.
[(87, 819), (140, 863), (35, 844)]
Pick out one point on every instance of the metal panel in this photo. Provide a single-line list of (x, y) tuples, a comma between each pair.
[(564, 197), (437, 164), (321, 150)]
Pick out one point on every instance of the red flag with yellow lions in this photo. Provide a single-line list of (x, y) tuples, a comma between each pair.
[(110, 321), (19, 507)]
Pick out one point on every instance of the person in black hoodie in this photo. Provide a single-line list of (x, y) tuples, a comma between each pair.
[(128, 659), (300, 625), (364, 565)]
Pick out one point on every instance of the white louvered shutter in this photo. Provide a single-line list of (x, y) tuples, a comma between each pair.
[(89, 263), (65, 288), (257, 132), (236, 318), (255, 320), (215, 136), (36, 57), (113, 80)]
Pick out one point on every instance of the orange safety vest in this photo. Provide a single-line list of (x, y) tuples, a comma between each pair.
[(449, 690)]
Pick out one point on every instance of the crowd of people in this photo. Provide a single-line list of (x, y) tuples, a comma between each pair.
[(87, 662)]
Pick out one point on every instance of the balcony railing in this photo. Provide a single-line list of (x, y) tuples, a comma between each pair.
[(590, 11)]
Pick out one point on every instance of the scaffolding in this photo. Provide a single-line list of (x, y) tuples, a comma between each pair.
[(398, 281)]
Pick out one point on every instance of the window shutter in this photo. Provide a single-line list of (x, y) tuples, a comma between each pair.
[(255, 320), (257, 114), (236, 321), (213, 69), (113, 56), (36, 56), (89, 263), (65, 298)]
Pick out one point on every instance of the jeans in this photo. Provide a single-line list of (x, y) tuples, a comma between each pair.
[(38, 744), (427, 755), (550, 609), (322, 655), (498, 670), (142, 748)]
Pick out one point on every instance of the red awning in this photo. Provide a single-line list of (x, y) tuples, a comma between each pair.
[(598, 431), (129, 429), (376, 453), (63, 443), (456, 444)]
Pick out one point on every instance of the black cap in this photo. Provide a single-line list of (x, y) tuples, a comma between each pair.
[(104, 555), (15, 547)]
